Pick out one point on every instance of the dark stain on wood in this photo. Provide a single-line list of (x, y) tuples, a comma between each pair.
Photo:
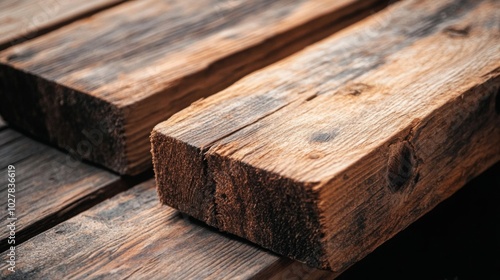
[(400, 166), (271, 194), (20, 56), (457, 31), (360, 219), (453, 10), (465, 126), (323, 137), (311, 97)]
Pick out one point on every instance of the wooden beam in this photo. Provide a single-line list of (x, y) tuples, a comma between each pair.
[(50, 186), (159, 242), (124, 70), (132, 236), (22, 20), (325, 155)]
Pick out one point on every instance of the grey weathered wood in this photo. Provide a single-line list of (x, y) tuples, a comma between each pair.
[(50, 185), (132, 236), (21, 20), (325, 155), (125, 69)]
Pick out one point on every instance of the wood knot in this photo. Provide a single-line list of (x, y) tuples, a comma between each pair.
[(315, 155), (309, 98), (457, 31), (401, 166), (356, 89)]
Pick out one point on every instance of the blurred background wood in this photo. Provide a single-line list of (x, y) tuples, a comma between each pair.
[(21, 20)]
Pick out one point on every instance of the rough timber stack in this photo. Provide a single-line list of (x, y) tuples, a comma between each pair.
[(98, 86), (282, 145), (326, 154)]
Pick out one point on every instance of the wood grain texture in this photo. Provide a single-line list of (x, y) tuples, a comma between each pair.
[(325, 155), (50, 186), (192, 256), (441, 243), (126, 69), (21, 20), (132, 236)]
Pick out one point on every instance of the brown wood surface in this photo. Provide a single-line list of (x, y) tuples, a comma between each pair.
[(107, 241), (50, 186), (21, 20), (458, 239), (124, 70), (131, 236), (325, 155)]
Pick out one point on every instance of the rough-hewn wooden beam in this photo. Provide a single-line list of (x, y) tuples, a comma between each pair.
[(130, 67), (327, 154)]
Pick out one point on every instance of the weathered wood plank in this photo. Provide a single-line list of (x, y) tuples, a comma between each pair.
[(50, 186), (126, 69), (132, 236), (21, 20), (327, 154), (160, 243), (441, 244)]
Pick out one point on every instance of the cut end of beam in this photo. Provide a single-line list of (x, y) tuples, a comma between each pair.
[(280, 214)]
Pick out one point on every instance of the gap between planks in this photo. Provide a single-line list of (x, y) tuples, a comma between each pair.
[(23, 20), (51, 186)]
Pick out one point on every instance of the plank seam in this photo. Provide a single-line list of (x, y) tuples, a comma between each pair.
[(45, 30), (81, 205)]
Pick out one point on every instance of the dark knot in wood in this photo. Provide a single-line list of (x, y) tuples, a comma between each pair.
[(401, 166)]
